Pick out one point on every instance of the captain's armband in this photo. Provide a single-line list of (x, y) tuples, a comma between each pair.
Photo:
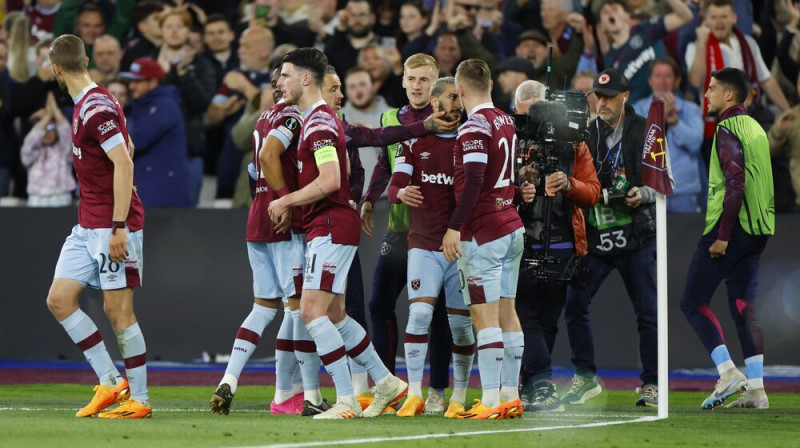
[(326, 154)]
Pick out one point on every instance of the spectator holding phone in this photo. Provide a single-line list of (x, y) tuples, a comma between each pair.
[(47, 155)]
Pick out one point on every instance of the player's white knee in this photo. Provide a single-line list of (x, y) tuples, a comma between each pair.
[(420, 315), (461, 328)]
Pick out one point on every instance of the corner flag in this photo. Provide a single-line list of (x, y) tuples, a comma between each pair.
[(656, 169)]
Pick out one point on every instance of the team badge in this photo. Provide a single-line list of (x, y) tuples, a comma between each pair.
[(604, 79), (636, 42), (385, 248), (415, 284)]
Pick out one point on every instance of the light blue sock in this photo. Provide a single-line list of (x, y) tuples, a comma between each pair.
[(285, 360), (307, 359), (754, 366), (330, 347), (359, 347), (133, 350), (722, 359), (490, 364), (513, 345)]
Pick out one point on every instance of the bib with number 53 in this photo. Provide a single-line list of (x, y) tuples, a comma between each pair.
[(610, 230)]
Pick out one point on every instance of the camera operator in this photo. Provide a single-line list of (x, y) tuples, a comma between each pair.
[(568, 182), (620, 230)]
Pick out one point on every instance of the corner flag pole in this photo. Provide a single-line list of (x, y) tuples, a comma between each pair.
[(657, 174), (661, 282)]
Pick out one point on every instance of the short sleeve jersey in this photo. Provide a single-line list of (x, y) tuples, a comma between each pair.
[(98, 125), (488, 137), (281, 121), (429, 162), (336, 214)]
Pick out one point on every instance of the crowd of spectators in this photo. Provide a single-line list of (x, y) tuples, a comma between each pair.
[(191, 76)]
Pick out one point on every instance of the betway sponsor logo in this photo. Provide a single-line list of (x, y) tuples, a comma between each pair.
[(644, 57), (438, 178)]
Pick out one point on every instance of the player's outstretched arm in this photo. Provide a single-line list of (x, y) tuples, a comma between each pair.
[(123, 189)]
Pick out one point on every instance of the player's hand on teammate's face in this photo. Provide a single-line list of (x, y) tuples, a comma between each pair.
[(435, 123), (634, 197), (118, 245), (718, 248), (285, 221), (410, 195), (528, 191), (451, 245), (367, 218)]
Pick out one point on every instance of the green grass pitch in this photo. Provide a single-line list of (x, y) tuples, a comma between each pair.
[(43, 416)]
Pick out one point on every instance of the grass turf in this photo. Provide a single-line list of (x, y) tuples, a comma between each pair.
[(43, 415)]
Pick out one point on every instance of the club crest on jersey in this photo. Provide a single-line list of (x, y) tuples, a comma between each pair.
[(415, 284), (501, 203), (106, 127)]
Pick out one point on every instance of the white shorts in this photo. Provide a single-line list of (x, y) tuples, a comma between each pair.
[(427, 271), (327, 265), (277, 267), (489, 271), (84, 258)]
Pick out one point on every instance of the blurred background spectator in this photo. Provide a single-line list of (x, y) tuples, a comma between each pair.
[(217, 56), (156, 126), (47, 154)]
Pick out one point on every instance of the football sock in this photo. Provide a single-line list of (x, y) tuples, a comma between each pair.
[(307, 359), (722, 359), (247, 339), (285, 360), (332, 352), (359, 377), (85, 335), (134, 353), (490, 363), (754, 366), (360, 348), (513, 345), (463, 354), (416, 344)]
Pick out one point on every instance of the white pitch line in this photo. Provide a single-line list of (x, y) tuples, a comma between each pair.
[(448, 435)]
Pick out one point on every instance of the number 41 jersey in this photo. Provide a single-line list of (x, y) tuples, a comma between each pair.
[(488, 137)]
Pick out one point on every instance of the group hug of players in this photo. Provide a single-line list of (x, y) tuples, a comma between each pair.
[(465, 236)]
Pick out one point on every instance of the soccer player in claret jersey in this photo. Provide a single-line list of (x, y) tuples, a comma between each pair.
[(104, 250), (332, 232), (276, 253), (485, 236), (428, 163)]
